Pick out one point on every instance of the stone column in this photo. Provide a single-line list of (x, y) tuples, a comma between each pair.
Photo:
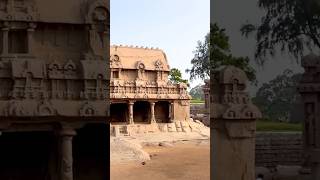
[(153, 119), (232, 128), (31, 30), (66, 159), (309, 90), (131, 112), (5, 40), (171, 113)]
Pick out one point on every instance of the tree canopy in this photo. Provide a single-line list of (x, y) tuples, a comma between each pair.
[(277, 98), (291, 26), (175, 76), (213, 53)]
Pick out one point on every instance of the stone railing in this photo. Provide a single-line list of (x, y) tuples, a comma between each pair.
[(150, 90)]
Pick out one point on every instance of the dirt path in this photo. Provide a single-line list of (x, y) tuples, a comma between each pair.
[(184, 161)]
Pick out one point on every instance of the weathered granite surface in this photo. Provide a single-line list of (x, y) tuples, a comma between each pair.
[(232, 126)]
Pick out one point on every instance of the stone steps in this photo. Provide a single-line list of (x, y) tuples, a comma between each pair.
[(126, 130)]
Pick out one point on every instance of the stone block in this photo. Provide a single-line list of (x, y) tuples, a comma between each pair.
[(178, 126), (171, 127)]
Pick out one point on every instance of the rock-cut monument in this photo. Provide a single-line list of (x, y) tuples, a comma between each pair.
[(143, 100)]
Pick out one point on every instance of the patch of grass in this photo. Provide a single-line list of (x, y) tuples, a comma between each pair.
[(196, 101), (267, 125)]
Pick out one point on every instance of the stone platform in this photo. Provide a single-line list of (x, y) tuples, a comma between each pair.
[(177, 126)]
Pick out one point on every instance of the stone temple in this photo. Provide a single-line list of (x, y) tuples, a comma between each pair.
[(54, 76), (142, 97)]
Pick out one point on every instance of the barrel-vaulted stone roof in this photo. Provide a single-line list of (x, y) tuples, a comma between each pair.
[(131, 57)]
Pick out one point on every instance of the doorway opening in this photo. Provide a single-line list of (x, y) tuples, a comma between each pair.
[(91, 152), (161, 111), (141, 112), (27, 155), (119, 113)]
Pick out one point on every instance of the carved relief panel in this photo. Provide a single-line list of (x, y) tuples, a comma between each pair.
[(18, 10), (140, 70), (51, 66)]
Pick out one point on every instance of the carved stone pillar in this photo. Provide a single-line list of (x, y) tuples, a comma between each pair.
[(66, 159), (5, 40), (171, 112), (31, 30), (153, 118), (131, 112), (309, 91), (233, 126), (92, 39)]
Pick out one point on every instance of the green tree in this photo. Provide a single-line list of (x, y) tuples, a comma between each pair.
[(175, 76), (277, 98), (213, 53), (291, 26)]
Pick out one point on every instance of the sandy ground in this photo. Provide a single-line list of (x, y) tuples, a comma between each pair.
[(185, 160)]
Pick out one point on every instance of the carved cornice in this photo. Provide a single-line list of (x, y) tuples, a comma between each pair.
[(229, 100)]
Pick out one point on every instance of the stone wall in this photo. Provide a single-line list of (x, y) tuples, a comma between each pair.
[(198, 112), (197, 109), (274, 149)]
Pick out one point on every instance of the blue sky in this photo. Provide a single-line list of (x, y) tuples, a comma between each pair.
[(238, 13), (174, 26)]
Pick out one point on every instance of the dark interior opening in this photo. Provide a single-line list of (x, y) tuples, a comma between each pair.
[(161, 112), (91, 152), (27, 155), (115, 74), (141, 112), (18, 42), (118, 112)]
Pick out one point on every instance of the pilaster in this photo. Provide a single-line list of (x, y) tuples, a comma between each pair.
[(66, 156)]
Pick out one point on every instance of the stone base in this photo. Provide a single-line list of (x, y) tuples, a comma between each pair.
[(126, 130), (283, 173)]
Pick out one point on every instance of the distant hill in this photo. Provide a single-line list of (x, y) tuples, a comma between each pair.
[(197, 92)]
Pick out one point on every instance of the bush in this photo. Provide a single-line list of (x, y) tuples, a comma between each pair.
[(268, 125)]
